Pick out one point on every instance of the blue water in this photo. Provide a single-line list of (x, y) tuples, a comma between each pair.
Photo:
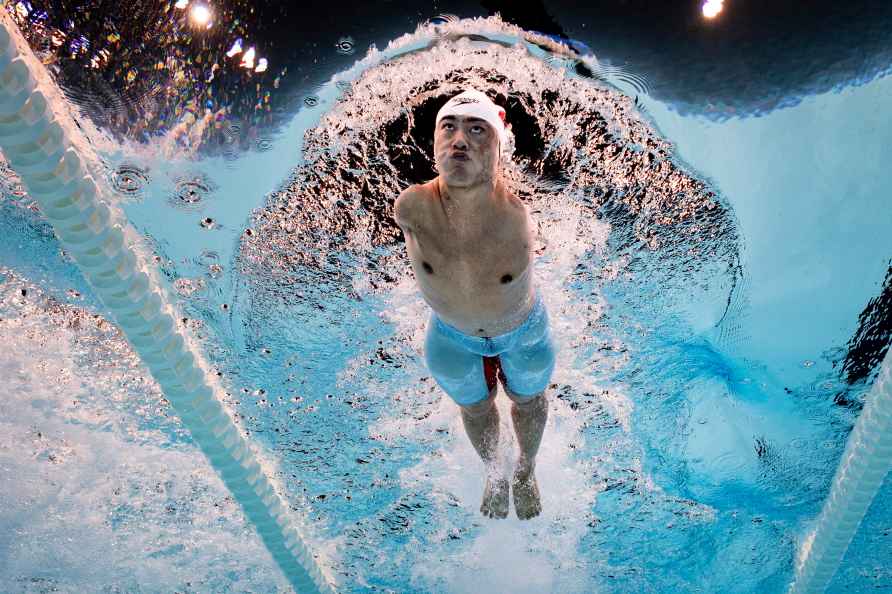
[(693, 432)]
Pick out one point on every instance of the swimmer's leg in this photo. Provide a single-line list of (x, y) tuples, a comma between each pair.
[(464, 377), (529, 416), (527, 371), (481, 421)]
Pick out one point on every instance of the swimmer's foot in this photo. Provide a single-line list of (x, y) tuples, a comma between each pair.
[(526, 494), (495, 498)]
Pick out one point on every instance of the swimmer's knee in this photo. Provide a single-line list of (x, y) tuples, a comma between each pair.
[(526, 402), (481, 408)]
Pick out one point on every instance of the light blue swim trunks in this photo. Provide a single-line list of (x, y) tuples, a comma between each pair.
[(467, 367)]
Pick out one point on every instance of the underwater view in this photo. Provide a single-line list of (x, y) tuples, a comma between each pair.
[(456, 297)]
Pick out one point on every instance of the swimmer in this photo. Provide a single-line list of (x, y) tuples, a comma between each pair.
[(469, 241)]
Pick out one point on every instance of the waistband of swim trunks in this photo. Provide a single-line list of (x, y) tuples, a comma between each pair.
[(450, 329)]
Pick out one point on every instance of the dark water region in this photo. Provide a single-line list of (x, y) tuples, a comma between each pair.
[(136, 70), (868, 346), (756, 56)]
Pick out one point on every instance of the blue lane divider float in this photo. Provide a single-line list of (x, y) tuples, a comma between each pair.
[(36, 146), (861, 471)]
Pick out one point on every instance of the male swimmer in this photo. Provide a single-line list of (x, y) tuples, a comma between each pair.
[(470, 242)]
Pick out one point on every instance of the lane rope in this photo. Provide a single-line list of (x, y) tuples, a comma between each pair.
[(863, 467)]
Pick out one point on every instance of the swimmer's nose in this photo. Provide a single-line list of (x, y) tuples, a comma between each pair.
[(459, 142)]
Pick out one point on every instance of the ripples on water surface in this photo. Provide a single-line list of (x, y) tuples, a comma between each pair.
[(670, 461)]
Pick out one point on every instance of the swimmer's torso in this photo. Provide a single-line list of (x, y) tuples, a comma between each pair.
[(474, 273)]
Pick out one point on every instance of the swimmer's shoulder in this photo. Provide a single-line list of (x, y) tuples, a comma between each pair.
[(406, 208), (515, 205), (521, 213), (412, 204)]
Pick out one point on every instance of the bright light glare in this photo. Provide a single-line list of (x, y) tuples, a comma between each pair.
[(181, 3), (235, 49), (711, 8), (248, 59), (262, 65), (201, 15)]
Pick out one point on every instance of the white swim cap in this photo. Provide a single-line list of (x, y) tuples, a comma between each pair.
[(476, 104)]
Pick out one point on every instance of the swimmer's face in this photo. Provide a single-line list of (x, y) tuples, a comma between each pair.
[(466, 150)]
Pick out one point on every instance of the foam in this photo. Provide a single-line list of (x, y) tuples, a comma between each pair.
[(100, 487)]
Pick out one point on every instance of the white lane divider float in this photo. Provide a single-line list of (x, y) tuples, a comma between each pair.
[(860, 474)]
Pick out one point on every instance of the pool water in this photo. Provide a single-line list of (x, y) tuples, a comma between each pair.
[(710, 281)]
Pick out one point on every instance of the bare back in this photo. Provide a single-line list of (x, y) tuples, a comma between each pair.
[(473, 270)]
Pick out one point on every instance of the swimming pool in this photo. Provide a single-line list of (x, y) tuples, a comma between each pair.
[(708, 282)]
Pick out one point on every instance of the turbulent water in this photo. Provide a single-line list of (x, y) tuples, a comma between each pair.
[(323, 266), (669, 461)]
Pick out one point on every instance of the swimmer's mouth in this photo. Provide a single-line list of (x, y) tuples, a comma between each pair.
[(460, 157)]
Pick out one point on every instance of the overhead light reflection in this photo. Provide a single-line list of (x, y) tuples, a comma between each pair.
[(711, 8), (201, 15)]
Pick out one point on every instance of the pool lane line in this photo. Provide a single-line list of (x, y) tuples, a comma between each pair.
[(96, 236), (863, 466)]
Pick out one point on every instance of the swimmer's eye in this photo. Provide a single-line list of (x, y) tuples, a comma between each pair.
[(475, 126)]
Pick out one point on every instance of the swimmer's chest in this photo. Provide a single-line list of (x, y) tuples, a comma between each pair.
[(496, 252)]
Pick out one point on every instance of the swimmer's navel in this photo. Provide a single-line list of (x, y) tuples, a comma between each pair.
[(507, 279), (427, 268)]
